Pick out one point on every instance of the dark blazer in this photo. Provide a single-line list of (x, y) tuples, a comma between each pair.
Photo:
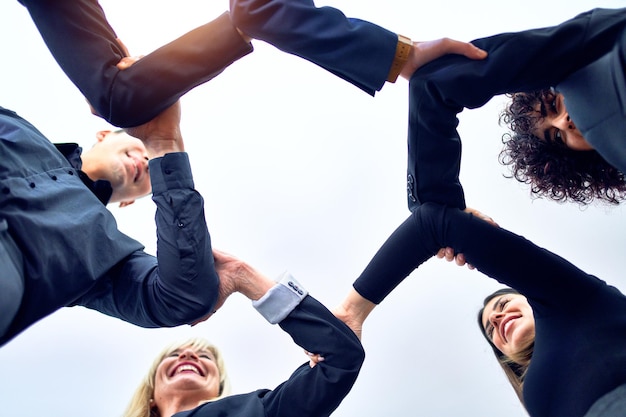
[(309, 392), (596, 101), (520, 61), (85, 46), (360, 52)]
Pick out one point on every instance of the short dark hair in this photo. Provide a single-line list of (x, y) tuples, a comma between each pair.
[(551, 168)]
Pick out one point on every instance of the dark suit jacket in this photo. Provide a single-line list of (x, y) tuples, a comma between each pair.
[(360, 52), (85, 46), (596, 100), (521, 61), (309, 392)]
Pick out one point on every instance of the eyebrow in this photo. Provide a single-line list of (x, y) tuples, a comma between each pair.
[(542, 108), (493, 309)]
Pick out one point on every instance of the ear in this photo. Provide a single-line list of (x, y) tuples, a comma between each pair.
[(154, 411), (126, 203), (102, 134)]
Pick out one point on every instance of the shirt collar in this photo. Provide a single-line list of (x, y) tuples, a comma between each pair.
[(101, 188)]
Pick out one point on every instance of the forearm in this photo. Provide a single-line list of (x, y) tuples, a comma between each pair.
[(358, 51), (169, 72), (401, 253), (315, 329), (524, 61), (185, 259), (498, 253), (85, 46), (504, 256), (521, 61)]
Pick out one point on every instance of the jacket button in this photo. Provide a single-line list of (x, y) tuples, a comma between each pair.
[(410, 181)]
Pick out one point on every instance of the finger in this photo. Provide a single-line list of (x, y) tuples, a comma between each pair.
[(492, 222), (449, 254), (127, 62), (460, 259), (431, 50), (465, 48), (122, 46), (312, 359), (441, 253), (218, 255), (316, 357), (92, 109), (489, 220)]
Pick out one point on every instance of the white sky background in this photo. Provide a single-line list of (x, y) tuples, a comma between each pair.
[(300, 171)]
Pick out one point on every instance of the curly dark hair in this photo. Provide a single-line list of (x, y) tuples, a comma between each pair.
[(551, 168)]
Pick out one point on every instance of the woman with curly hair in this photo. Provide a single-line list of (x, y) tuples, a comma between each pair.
[(546, 150), (528, 61)]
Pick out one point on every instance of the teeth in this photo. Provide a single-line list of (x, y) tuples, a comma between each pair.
[(187, 368), (507, 325)]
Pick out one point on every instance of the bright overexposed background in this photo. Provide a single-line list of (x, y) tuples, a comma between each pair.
[(300, 171)]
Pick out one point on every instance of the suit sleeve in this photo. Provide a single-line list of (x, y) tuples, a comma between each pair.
[(317, 391), (523, 61), (496, 252), (357, 51), (180, 285), (83, 43)]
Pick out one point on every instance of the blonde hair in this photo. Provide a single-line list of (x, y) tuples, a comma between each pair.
[(139, 405)]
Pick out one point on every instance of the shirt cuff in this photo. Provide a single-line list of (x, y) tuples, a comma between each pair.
[(402, 56), (281, 299), (170, 171)]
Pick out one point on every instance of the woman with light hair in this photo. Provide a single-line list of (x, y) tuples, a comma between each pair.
[(189, 378), (142, 403)]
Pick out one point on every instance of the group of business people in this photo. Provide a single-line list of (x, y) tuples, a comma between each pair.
[(527, 324)]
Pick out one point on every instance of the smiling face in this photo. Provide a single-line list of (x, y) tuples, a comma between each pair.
[(123, 161), (186, 375), (509, 323), (555, 125)]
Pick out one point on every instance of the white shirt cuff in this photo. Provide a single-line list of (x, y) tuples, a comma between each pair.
[(281, 299)]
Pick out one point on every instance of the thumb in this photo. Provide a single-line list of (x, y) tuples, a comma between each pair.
[(127, 62)]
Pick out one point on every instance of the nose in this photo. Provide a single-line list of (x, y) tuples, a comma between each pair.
[(495, 318), (188, 354), (564, 122)]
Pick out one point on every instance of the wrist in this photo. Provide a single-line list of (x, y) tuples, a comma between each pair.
[(157, 146), (281, 299), (252, 283), (245, 37), (357, 306), (403, 50), (158, 142)]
